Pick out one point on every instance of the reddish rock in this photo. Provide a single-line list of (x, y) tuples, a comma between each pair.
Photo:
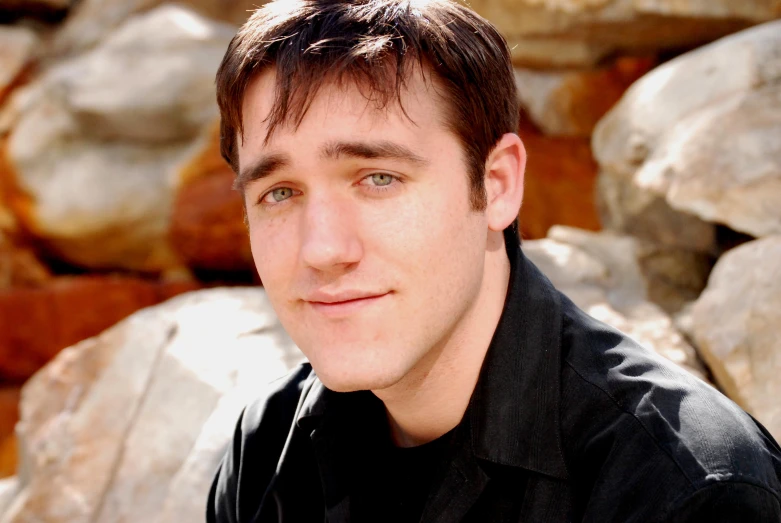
[(570, 103), (19, 267), (207, 226), (8, 456), (9, 415), (559, 187), (36, 323)]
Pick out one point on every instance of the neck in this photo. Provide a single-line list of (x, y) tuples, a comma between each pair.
[(432, 398)]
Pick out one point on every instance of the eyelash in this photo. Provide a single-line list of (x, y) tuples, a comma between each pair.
[(374, 188)]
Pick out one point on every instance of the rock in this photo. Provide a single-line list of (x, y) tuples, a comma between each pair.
[(600, 273), (559, 184), (737, 328), (9, 410), (207, 224), (17, 48), (36, 323), (92, 20), (8, 490), (696, 141), (8, 457), (46, 10), (19, 267), (570, 103), (674, 277), (100, 143), (130, 425), (562, 33)]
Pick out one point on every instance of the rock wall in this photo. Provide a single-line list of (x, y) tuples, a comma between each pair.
[(653, 195)]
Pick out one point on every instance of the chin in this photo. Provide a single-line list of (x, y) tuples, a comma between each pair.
[(340, 378)]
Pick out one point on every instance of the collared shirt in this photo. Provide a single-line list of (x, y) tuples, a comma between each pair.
[(571, 420)]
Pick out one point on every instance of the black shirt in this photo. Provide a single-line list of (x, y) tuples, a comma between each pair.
[(571, 420), (395, 485)]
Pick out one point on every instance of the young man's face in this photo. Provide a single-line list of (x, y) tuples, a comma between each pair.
[(362, 231)]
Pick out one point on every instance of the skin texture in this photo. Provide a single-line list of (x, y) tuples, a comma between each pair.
[(328, 224)]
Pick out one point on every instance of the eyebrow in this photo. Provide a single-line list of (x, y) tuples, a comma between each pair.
[(383, 149)]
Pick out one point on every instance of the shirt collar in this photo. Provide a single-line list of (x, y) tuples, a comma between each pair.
[(514, 410)]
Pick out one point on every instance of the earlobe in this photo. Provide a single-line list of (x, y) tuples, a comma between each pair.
[(504, 175)]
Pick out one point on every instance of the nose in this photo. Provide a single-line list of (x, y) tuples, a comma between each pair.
[(330, 240)]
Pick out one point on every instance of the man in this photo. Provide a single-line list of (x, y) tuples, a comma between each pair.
[(374, 143)]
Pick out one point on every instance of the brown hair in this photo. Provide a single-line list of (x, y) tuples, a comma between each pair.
[(374, 43)]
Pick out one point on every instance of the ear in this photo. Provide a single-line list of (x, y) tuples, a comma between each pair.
[(504, 174)]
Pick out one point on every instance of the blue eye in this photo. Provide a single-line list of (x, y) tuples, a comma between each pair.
[(382, 179), (278, 195)]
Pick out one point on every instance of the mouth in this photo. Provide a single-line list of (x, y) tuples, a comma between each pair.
[(343, 305)]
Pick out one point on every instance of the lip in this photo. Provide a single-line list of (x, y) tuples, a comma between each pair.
[(343, 303)]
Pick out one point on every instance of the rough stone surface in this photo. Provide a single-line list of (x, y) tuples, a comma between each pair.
[(736, 324), (92, 20), (207, 224), (130, 426), (600, 273), (19, 267), (559, 184), (36, 323), (564, 33), (17, 48), (102, 137), (9, 415), (570, 103), (696, 141)]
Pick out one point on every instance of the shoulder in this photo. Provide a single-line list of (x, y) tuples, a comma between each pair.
[(633, 421), (258, 440)]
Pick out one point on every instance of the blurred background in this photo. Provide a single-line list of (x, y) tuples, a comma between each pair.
[(653, 198)]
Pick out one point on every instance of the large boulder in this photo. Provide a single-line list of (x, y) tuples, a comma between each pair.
[(97, 152), (571, 102), (37, 322), (91, 21), (130, 426), (559, 184), (207, 223), (601, 274), (17, 49), (583, 32), (697, 141), (736, 324)]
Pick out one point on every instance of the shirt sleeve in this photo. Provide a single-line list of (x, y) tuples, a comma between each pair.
[(728, 502)]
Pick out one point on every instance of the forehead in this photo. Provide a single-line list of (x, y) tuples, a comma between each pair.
[(343, 111)]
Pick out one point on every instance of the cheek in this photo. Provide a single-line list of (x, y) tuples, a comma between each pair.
[(273, 246)]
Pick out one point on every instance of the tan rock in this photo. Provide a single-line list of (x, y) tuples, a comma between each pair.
[(698, 135), (130, 426), (559, 184), (737, 328), (17, 48), (570, 103), (564, 33), (92, 20), (102, 138), (36, 323), (600, 273)]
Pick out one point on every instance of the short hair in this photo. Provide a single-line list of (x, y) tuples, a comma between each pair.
[(375, 44)]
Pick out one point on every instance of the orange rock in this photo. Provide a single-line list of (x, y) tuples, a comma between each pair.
[(19, 266), (9, 415), (8, 456), (559, 187), (36, 323), (207, 225), (570, 103)]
